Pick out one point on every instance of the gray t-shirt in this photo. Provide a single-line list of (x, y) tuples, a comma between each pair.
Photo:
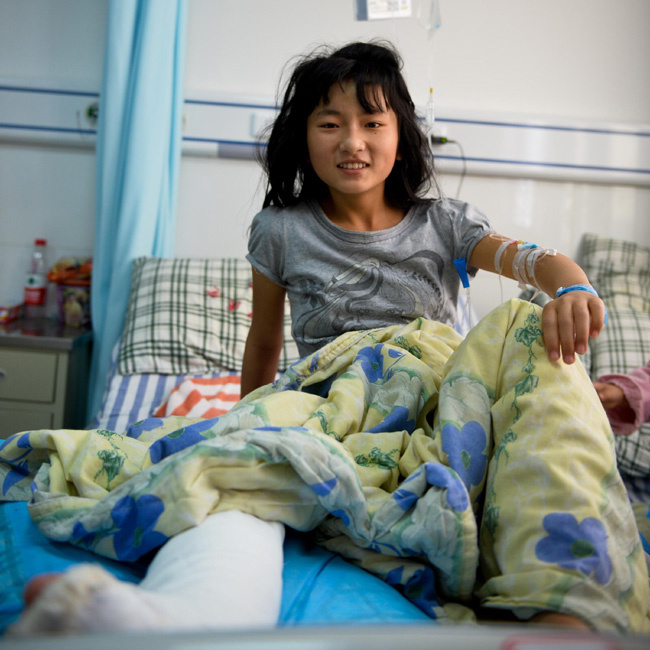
[(339, 280)]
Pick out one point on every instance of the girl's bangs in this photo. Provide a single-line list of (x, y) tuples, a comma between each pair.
[(373, 96), (373, 84)]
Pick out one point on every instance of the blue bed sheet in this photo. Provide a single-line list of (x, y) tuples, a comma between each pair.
[(320, 588)]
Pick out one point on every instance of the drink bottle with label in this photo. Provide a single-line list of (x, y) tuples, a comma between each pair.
[(35, 297)]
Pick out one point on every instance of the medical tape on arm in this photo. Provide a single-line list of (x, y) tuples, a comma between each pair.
[(519, 268), (498, 256), (524, 262), (498, 259), (531, 261)]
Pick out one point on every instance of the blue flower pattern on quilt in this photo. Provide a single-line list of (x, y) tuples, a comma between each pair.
[(321, 388), (442, 477), (81, 536), (135, 521), (20, 469), (179, 440), (404, 498), (465, 449), (138, 428), (324, 488), (420, 588), (22, 442), (372, 362), (342, 515), (15, 474), (579, 546), (396, 420)]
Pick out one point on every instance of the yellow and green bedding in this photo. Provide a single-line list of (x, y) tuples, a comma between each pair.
[(459, 471)]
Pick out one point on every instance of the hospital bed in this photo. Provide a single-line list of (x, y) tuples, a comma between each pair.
[(188, 366)]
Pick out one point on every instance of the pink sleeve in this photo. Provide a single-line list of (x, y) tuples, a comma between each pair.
[(636, 386)]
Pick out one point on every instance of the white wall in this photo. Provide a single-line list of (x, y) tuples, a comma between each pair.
[(587, 59), (47, 192)]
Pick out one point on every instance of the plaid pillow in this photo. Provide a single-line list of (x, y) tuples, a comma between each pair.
[(188, 316), (620, 271)]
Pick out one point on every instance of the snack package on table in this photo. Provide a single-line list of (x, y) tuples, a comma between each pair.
[(73, 275)]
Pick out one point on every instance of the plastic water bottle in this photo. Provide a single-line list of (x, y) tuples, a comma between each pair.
[(35, 297)]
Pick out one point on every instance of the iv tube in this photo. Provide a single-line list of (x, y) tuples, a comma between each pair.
[(430, 114)]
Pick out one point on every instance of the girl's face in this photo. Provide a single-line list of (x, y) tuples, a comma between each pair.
[(352, 151)]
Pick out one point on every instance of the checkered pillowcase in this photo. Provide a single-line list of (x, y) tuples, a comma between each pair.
[(190, 316), (620, 271)]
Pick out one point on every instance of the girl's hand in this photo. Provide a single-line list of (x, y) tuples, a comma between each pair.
[(569, 321), (611, 395)]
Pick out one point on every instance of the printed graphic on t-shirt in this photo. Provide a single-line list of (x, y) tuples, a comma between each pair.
[(372, 292)]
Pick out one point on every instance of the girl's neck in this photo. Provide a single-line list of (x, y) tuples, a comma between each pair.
[(362, 215)]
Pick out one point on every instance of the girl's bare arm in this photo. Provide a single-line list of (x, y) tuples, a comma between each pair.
[(265, 338), (568, 321)]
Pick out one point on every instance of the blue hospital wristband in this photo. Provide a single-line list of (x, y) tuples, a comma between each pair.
[(580, 287), (576, 287)]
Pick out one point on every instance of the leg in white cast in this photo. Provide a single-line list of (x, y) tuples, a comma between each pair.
[(225, 573), (237, 561)]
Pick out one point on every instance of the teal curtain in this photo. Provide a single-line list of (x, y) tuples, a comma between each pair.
[(138, 156)]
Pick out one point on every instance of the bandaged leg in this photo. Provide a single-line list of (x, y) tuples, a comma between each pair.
[(225, 573), (235, 561)]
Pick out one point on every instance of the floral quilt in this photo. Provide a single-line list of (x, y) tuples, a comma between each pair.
[(463, 472)]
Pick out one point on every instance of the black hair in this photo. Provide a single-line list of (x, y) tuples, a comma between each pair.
[(376, 69)]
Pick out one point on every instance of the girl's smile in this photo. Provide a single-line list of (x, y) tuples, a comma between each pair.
[(353, 166), (351, 150)]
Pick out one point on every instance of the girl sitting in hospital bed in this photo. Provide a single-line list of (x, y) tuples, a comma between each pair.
[(348, 233)]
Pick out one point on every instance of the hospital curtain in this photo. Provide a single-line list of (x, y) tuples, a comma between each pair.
[(138, 157)]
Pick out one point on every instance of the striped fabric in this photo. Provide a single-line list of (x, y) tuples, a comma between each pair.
[(131, 398), (202, 398), (620, 272), (189, 316)]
